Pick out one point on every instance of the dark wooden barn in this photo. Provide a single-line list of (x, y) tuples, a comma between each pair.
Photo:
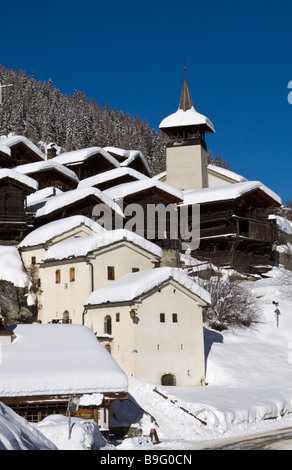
[(235, 228), (22, 151), (87, 162), (14, 188), (50, 173)]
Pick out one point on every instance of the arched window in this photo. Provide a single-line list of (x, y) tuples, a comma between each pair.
[(108, 325), (168, 379)]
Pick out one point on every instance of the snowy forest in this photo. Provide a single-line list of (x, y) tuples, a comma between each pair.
[(40, 112)]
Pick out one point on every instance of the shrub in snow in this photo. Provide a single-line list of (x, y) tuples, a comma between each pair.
[(232, 305)]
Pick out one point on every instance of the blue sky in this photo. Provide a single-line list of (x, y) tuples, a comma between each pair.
[(131, 55)]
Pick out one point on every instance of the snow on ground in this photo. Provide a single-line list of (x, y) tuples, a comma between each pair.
[(17, 434), (249, 376)]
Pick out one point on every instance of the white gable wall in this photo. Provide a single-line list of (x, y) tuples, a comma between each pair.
[(146, 348)]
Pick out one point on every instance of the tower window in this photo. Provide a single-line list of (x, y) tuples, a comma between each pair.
[(162, 318)]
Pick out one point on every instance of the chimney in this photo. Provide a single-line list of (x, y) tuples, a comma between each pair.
[(5, 333), (51, 151)]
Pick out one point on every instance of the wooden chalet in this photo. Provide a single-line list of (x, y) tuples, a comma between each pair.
[(130, 159), (87, 162), (76, 202), (22, 151), (5, 156), (44, 366), (235, 228), (108, 179), (50, 173), (14, 188), (147, 194)]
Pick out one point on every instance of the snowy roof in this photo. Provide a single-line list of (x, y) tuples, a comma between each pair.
[(74, 248), (42, 195), (226, 192), (57, 359), (227, 173), (124, 190), (11, 267), (135, 285), (46, 165), (65, 199), (283, 224), (47, 232), (13, 140), (4, 149), (22, 179), (187, 118), (128, 156), (111, 175), (79, 156)]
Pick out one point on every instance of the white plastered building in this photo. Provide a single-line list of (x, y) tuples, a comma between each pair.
[(151, 322)]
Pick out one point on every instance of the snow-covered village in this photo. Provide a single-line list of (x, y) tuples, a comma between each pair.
[(117, 340), (145, 267)]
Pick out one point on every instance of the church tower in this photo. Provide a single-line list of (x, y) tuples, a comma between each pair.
[(186, 152)]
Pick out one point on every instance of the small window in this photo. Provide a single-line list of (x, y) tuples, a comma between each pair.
[(72, 274), (111, 273), (174, 317), (39, 282), (108, 325), (58, 276), (135, 270), (117, 317), (162, 318), (33, 260)]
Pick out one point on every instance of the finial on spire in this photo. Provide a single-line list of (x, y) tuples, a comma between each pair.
[(185, 99), (185, 68)]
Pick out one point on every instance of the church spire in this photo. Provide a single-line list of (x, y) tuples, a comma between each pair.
[(185, 99)]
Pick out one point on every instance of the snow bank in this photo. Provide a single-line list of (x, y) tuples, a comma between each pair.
[(17, 434), (82, 246), (134, 285), (85, 434), (283, 224), (11, 267)]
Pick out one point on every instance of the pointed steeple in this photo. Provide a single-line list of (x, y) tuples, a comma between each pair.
[(185, 99)]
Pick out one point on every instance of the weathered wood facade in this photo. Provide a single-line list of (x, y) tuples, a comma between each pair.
[(36, 408), (14, 221), (237, 232)]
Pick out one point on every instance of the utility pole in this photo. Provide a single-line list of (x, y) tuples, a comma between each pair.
[(6, 103)]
